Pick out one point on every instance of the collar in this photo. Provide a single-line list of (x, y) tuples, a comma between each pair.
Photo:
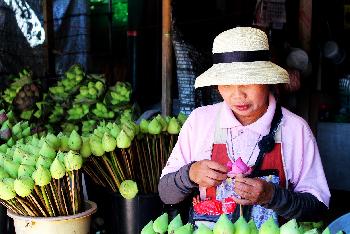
[(261, 126)]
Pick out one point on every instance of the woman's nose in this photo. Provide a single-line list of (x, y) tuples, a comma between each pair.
[(237, 91)]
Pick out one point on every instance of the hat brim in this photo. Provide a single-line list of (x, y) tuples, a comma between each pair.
[(243, 73)]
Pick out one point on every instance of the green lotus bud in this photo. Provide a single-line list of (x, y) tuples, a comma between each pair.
[(74, 141), (57, 169), (35, 141), (252, 226), (33, 151), (291, 227), (64, 142), (16, 129), (11, 142), (99, 132), (25, 170), (202, 229), (41, 176), (241, 226), (173, 126), (175, 223), (129, 130), (10, 152), (186, 229), (144, 126), (2, 159), (47, 151), (61, 155), (269, 227), (3, 148), (26, 132), (73, 161), (7, 191), (182, 118), (223, 225), (11, 168), (108, 142), (128, 189), (115, 130), (3, 173), (160, 225), (154, 127), (162, 122), (326, 231), (314, 231), (53, 141), (96, 146), (44, 162), (85, 150), (123, 140), (148, 229), (24, 186), (18, 155)]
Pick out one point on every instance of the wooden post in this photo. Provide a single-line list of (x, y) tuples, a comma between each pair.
[(166, 57), (50, 39)]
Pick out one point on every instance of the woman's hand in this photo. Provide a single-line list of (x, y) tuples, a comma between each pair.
[(253, 191), (207, 173)]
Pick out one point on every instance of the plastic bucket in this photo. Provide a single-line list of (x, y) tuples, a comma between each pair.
[(341, 224), (77, 224)]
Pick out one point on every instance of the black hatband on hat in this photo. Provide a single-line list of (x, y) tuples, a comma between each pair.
[(241, 56)]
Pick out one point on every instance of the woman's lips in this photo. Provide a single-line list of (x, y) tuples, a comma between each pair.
[(242, 107)]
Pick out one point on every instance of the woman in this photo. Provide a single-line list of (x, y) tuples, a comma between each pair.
[(287, 177)]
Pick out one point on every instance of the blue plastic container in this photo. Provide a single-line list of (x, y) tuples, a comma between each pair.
[(340, 224)]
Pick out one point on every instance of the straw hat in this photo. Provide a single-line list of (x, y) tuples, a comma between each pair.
[(241, 56)]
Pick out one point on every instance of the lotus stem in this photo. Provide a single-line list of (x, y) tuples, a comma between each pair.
[(52, 187), (47, 203), (117, 166), (103, 173), (26, 207), (37, 204), (107, 164)]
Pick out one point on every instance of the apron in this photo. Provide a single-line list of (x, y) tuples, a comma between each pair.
[(271, 169)]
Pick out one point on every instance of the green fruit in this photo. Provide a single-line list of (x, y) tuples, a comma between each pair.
[(173, 126), (154, 127), (24, 186), (175, 223), (202, 229), (269, 227), (74, 141), (25, 171), (128, 189), (291, 227), (108, 142), (57, 169), (160, 225), (148, 229), (41, 176), (7, 191), (186, 229), (11, 168), (73, 161), (47, 151), (123, 140), (223, 225), (241, 226)]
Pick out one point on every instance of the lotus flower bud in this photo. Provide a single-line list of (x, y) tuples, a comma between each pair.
[(64, 142), (41, 176), (154, 127), (11, 168), (252, 226), (26, 132), (85, 150), (29, 160), (5, 134), (25, 171), (173, 126), (73, 161), (96, 146), (144, 126), (148, 229), (223, 225), (44, 162), (162, 122), (109, 125), (18, 155), (16, 129), (291, 227), (57, 169), (35, 141), (3, 148), (47, 151), (10, 152), (123, 140), (6, 125), (128, 189), (99, 132), (3, 174), (175, 223), (74, 141), (129, 130), (108, 142), (241, 226), (269, 227), (33, 150), (2, 159), (115, 130), (53, 141), (160, 225), (61, 156), (7, 191), (186, 229), (24, 186), (202, 229), (182, 118), (3, 117)]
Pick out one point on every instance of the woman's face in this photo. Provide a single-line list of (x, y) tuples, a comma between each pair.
[(248, 102)]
